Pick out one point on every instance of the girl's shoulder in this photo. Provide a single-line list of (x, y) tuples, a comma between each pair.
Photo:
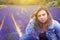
[(56, 24)]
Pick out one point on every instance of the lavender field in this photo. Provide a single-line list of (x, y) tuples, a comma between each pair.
[(14, 19)]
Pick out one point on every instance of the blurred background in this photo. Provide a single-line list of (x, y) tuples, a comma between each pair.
[(49, 3), (15, 15)]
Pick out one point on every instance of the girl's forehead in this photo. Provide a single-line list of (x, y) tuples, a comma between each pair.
[(42, 12)]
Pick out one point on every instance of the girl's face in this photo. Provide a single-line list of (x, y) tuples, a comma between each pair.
[(42, 16)]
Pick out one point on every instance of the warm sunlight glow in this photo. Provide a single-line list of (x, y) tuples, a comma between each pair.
[(26, 2)]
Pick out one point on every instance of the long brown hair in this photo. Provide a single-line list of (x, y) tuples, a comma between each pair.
[(37, 23)]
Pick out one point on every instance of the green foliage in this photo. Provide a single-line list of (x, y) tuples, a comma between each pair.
[(52, 4)]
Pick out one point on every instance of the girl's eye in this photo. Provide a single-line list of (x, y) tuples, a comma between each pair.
[(43, 14), (39, 15)]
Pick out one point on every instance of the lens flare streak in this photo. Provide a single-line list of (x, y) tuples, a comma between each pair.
[(2, 22), (17, 27)]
